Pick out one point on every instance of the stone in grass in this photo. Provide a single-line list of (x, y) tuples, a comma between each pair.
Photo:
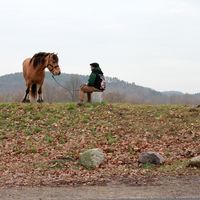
[(91, 158), (194, 162), (151, 158)]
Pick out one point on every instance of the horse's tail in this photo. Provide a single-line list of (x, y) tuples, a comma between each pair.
[(33, 91)]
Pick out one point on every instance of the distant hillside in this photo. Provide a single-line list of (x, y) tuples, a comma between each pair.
[(173, 93), (11, 83), (12, 88)]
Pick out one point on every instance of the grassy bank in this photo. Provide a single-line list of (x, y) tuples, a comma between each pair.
[(40, 143)]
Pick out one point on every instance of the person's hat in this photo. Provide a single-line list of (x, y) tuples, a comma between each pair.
[(94, 65)]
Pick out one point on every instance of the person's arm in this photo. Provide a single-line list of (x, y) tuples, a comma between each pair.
[(92, 79)]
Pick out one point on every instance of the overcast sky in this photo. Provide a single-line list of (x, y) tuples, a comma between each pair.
[(154, 43)]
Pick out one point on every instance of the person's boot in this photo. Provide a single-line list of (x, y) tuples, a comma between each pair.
[(80, 103), (89, 97)]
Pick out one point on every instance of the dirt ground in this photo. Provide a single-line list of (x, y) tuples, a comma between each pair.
[(168, 188)]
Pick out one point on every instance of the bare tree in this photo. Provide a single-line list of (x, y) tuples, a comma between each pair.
[(115, 97), (55, 94), (17, 97), (73, 86)]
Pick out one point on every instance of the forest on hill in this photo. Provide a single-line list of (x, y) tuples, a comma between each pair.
[(12, 89)]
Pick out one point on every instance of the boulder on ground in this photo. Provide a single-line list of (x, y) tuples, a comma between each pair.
[(151, 158), (195, 162), (92, 158)]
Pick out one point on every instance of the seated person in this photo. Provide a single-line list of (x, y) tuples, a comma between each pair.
[(96, 82)]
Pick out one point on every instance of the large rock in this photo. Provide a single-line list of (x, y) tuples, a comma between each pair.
[(195, 162), (92, 158), (151, 158)]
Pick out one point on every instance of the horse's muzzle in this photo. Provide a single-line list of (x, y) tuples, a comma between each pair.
[(56, 73)]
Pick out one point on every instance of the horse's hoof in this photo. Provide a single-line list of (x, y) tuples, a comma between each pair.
[(26, 101), (40, 100)]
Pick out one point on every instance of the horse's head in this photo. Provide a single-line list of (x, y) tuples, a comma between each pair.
[(52, 64)]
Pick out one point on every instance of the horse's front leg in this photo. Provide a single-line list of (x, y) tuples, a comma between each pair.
[(40, 96), (26, 100)]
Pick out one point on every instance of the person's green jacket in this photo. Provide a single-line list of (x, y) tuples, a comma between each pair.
[(93, 80)]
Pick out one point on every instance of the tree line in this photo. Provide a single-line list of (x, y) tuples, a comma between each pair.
[(117, 91)]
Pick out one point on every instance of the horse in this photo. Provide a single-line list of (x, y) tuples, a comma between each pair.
[(34, 73)]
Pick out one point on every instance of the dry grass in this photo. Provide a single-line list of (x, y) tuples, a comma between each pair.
[(40, 143)]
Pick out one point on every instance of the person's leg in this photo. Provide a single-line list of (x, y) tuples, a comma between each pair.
[(89, 96), (81, 94), (85, 89)]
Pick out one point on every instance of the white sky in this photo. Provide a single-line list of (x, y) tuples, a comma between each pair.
[(154, 43)]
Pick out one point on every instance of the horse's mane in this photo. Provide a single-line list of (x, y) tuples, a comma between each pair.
[(39, 58)]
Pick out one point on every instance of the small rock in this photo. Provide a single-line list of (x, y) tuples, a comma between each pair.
[(92, 158), (195, 162), (151, 158), (193, 110)]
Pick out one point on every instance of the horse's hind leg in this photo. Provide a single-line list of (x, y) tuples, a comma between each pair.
[(25, 100), (40, 98)]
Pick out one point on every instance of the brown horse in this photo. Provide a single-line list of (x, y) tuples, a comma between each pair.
[(34, 73)]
